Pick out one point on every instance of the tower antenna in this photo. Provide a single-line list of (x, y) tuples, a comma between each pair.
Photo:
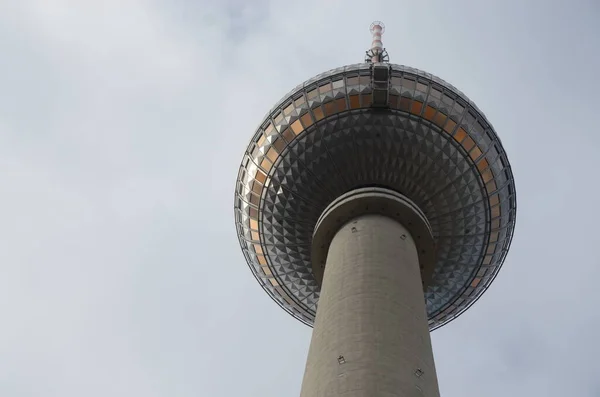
[(377, 53)]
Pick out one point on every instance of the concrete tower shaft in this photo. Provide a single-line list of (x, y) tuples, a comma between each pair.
[(371, 335)]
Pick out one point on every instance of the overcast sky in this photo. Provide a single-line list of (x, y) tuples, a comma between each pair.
[(122, 125)]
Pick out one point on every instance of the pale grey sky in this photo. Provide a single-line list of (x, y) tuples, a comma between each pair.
[(122, 124)]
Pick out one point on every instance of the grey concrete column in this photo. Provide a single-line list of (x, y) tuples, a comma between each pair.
[(371, 337)]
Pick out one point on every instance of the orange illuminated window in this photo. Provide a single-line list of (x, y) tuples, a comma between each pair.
[(449, 127), (272, 154), (340, 104), (439, 119), (253, 213), (416, 107), (460, 134), (273, 282), (261, 140), (491, 186), (254, 199), (306, 120), (260, 176), (475, 282), (393, 101), (487, 175), (494, 200), (429, 112), (468, 143), (475, 153), (297, 127), (495, 211), (255, 235), (258, 249), (266, 165), (257, 187), (354, 102), (330, 108), (318, 113), (482, 165), (266, 271), (261, 259), (279, 144), (253, 224), (288, 135)]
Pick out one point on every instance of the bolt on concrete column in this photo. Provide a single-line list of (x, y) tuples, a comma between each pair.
[(371, 337)]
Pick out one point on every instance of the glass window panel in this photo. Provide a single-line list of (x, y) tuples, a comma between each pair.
[(288, 109), (429, 112), (487, 175), (468, 143), (475, 153), (450, 125), (306, 120), (288, 135), (257, 187), (408, 84), (278, 118), (253, 224), (338, 84), (340, 104), (416, 107), (439, 119), (318, 113), (297, 127), (312, 94), (354, 102), (255, 236), (279, 144), (366, 100), (261, 140), (325, 88), (495, 211), (272, 154), (365, 80), (422, 87), (494, 200), (491, 186), (404, 104), (299, 102), (460, 134), (447, 99), (266, 164), (397, 81), (436, 93), (253, 212), (330, 108), (352, 80)]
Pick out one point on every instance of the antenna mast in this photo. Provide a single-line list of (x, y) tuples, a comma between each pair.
[(377, 53)]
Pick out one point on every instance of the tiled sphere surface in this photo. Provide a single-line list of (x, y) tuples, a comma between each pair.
[(428, 142)]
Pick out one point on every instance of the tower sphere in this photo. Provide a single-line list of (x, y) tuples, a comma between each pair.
[(384, 126)]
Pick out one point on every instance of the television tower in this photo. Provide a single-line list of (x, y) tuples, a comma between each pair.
[(375, 203)]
